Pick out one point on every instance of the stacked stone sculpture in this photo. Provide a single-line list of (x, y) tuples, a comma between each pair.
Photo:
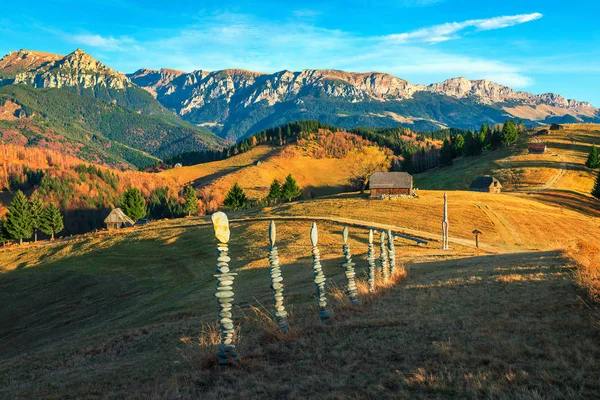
[(383, 258), (318, 276), (226, 353), (445, 224), (391, 253), (348, 265), (371, 262), (277, 281)]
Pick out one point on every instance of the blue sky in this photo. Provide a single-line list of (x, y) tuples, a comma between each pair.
[(537, 46)]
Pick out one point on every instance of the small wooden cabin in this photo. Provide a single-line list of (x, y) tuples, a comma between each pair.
[(390, 183), (486, 183), (537, 148), (117, 220)]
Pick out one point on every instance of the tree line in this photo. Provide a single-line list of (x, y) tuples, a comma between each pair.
[(25, 218), (236, 198), (159, 204)]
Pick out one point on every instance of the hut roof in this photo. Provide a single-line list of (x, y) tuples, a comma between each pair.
[(484, 182), (387, 180), (117, 215)]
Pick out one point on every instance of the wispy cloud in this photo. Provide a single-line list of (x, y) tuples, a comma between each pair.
[(452, 30), (229, 40), (102, 42)]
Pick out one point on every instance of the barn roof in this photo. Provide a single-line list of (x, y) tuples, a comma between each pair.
[(484, 182), (390, 180), (117, 215)]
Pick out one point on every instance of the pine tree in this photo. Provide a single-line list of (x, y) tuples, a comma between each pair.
[(191, 200), (510, 132), (274, 191), (18, 218), (446, 153), (52, 221), (290, 189), (133, 204), (4, 237), (36, 208), (458, 145), (596, 190), (236, 198), (593, 161)]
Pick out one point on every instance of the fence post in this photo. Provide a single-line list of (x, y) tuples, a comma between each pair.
[(319, 277), (224, 294), (383, 257), (371, 262), (348, 266), (277, 281), (391, 253)]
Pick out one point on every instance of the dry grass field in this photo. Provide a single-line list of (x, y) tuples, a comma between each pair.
[(562, 167), (317, 177), (130, 314)]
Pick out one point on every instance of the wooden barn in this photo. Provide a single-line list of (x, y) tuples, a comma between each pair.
[(486, 183), (390, 183), (117, 219), (537, 148)]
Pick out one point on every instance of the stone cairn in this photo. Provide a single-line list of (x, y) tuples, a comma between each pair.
[(371, 262), (318, 276), (445, 224), (391, 253), (383, 258), (277, 281), (348, 266), (226, 353)]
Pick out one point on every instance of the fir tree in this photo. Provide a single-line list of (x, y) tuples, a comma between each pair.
[(593, 161), (36, 208), (18, 218), (4, 237), (133, 204), (290, 189), (458, 145), (52, 221), (446, 153), (596, 190), (274, 191), (190, 205), (236, 198), (510, 132)]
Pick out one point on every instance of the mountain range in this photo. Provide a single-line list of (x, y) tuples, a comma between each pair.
[(200, 109)]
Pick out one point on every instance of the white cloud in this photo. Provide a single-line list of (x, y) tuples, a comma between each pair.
[(101, 42), (241, 41), (452, 30)]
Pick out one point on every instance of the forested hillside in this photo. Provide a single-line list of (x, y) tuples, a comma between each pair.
[(94, 130)]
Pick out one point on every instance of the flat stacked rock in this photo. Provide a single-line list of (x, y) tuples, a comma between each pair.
[(319, 277), (371, 261), (277, 281), (226, 353), (383, 258), (348, 265), (391, 253)]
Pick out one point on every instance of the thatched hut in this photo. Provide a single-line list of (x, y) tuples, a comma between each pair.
[(117, 219)]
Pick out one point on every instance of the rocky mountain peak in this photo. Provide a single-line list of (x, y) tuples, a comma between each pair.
[(24, 60)]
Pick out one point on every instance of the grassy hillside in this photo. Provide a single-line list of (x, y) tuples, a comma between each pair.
[(95, 130), (561, 168), (131, 314), (319, 163)]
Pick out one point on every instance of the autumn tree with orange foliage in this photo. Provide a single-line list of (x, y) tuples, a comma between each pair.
[(365, 162)]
